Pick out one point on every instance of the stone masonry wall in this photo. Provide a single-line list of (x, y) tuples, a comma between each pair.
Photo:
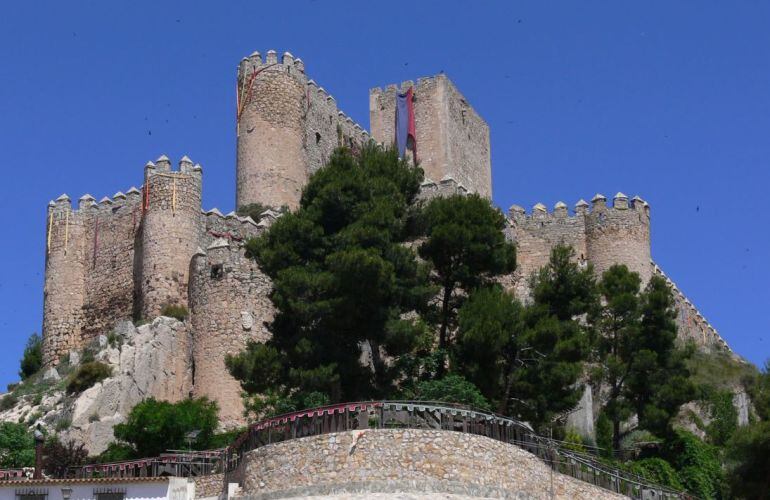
[(64, 289), (452, 139), (112, 235), (170, 233), (209, 486), (271, 165), (229, 305), (412, 458)]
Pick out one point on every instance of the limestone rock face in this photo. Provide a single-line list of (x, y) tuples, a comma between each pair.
[(153, 361)]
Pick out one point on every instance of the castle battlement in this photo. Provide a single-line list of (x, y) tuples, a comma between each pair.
[(620, 208)]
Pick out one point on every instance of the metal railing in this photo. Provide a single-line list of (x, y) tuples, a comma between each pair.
[(383, 415), (441, 416)]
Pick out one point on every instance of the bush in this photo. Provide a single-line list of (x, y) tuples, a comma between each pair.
[(63, 424), (32, 360), (17, 446), (8, 402), (658, 471), (59, 457), (452, 389), (174, 311), (604, 435), (698, 463), (115, 452), (748, 456), (87, 375), (253, 210), (155, 426)]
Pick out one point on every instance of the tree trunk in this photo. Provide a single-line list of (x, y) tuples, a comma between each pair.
[(616, 435), (442, 338)]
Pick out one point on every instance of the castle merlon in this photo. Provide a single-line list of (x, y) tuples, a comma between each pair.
[(599, 204)]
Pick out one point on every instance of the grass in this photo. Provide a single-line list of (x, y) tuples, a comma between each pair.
[(174, 311), (719, 370), (87, 375)]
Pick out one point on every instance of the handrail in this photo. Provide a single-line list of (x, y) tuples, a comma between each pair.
[(382, 414)]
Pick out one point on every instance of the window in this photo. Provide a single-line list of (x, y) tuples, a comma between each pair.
[(32, 494), (216, 271), (317, 138), (109, 493)]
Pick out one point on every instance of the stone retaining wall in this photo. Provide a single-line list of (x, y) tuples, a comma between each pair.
[(211, 486), (405, 460)]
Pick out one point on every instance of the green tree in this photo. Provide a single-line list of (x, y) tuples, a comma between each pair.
[(342, 277), (488, 350), (636, 352), (748, 458), (32, 359), (659, 382), (618, 325), (154, 426), (17, 446), (466, 246), (555, 340)]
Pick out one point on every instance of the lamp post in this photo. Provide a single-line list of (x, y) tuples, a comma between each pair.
[(39, 440)]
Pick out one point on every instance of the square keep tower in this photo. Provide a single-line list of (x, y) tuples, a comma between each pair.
[(452, 139)]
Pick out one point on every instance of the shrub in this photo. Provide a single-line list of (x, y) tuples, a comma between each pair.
[(253, 210), (604, 435), (59, 457), (698, 463), (115, 452), (63, 424), (32, 360), (452, 389), (658, 471), (87, 375), (174, 311), (154, 426), (94, 418), (8, 402), (17, 446)]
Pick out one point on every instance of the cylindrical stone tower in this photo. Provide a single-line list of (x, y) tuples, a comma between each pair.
[(64, 291), (170, 233), (272, 100), (229, 305), (619, 235)]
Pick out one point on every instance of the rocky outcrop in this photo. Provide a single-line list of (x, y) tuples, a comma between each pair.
[(151, 360)]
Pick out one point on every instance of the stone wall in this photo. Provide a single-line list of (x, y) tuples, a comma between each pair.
[(410, 459), (64, 289), (112, 235), (452, 139), (229, 305), (210, 486), (170, 233)]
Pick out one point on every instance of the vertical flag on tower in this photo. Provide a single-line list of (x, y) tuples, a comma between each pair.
[(406, 137)]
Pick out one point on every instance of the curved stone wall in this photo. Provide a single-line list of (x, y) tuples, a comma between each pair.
[(405, 460)]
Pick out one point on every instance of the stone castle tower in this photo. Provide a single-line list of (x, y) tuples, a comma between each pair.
[(132, 255)]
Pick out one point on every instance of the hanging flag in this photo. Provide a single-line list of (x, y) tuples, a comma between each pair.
[(406, 137)]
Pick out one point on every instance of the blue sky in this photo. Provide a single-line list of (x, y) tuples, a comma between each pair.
[(669, 100)]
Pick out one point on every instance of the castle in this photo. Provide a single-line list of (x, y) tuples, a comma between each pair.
[(132, 255)]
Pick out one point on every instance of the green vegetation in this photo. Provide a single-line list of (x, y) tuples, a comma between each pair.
[(465, 244), (636, 354), (362, 265), (342, 278), (451, 389), (59, 457), (32, 359), (154, 426), (17, 446), (88, 374), (8, 401), (178, 312)]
